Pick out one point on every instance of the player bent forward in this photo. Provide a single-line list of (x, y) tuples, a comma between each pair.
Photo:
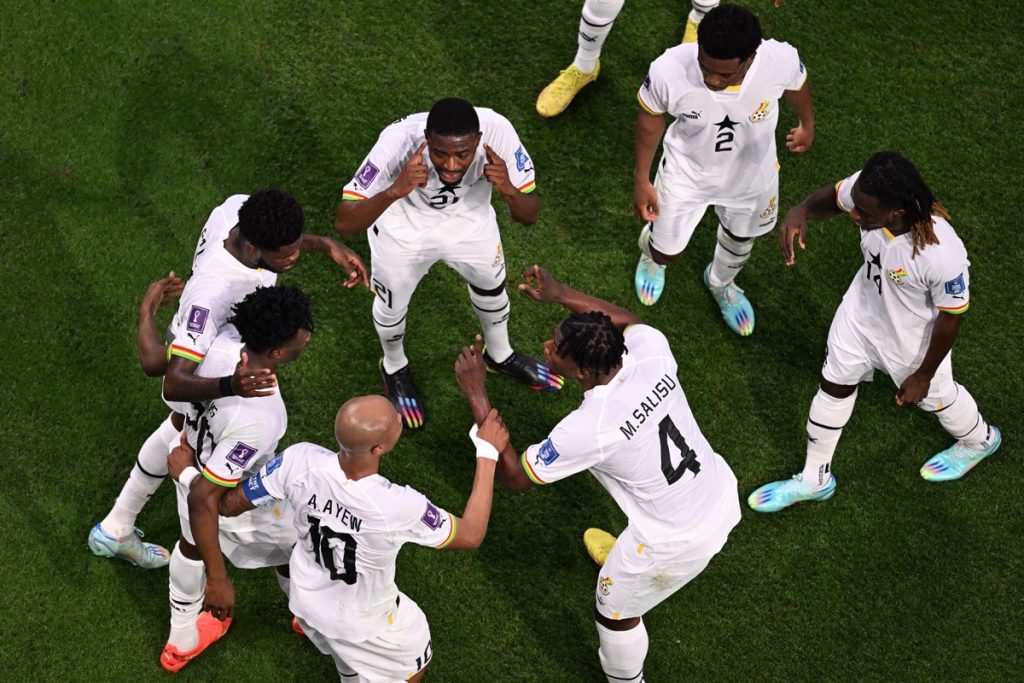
[(636, 434), (901, 315), (351, 523), (227, 439), (424, 193), (724, 95)]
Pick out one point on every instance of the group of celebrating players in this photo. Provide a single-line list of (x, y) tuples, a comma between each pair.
[(326, 519)]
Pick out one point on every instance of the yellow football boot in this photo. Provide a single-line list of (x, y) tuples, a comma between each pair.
[(554, 99), (599, 543)]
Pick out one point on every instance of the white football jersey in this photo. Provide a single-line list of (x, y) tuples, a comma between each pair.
[(638, 437), (721, 146), (350, 532), (427, 213), (896, 297), (218, 282), (233, 436)]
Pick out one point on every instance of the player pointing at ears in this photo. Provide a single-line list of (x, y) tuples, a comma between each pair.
[(901, 315), (636, 434), (424, 195)]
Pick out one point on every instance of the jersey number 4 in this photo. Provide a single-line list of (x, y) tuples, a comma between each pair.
[(667, 431), (324, 553)]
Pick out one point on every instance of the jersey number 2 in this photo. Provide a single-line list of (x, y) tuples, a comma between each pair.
[(324, 554), (667, 432)]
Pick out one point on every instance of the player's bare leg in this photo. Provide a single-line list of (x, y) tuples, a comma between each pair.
[(116, 535), (595, 24)]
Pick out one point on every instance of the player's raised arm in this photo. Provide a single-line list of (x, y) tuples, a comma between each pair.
[(355, 215), (818, 206), (340, 254), (649, 129), (540, 285), (523, 207), (148, 341), (490, 439)]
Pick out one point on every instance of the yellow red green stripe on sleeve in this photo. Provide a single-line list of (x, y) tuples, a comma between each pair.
[(958, 310), (186, 353), (528, 187), (646, 107), (350, 196), (452, 530), (530, 471), (219, 480)]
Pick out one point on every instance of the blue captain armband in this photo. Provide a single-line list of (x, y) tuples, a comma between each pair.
[(254, 489)]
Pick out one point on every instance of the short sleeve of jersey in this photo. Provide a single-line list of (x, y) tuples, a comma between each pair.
[(949, 279), (654, 92), (380, 167), (199, 321), (793, 72), (643, 341), (571, 447), (501, 136), (419, 521), (239, 446), (844, 192), (271, 482)]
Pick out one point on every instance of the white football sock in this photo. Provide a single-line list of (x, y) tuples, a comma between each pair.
[(187, 584), (828, 416), (700, 8), (390, 326), (960, 417), (730, 257), (622, 653), (493, 312), (595, 24), (145, 478)]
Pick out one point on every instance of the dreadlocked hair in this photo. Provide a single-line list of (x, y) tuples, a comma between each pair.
[(271, 316), (893, 180), (592, 341)]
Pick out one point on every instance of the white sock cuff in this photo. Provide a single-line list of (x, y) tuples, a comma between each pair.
[(600, 13), (704, 6), (738, 248), (622, 653), (829, 412)]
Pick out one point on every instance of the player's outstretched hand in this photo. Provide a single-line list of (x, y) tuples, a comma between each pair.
[(494, 431), (350, 261), (220, 597), (496, 171), (794, 226), (251, 383), (470, 370), (162, 293), (539, 284), (645, 200), (414, 174), (180, 457), (913, 390), (800, 139)]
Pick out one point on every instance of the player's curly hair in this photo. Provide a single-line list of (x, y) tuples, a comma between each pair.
[(453, 116), (894, 181), (729, 32), (270, 219), (271, 316), (593, 341)]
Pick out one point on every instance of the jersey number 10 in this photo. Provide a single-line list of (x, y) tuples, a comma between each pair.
[(324, 553)]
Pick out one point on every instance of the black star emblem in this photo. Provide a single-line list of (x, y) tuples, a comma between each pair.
[(726, 123), (448, 188)]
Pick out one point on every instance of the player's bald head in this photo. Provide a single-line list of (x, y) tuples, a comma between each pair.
[(365, 422)]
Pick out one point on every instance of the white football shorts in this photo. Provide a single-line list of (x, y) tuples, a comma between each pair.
[(264, 536), (851, 357), (397, 268), (679, 217), (395, 655)]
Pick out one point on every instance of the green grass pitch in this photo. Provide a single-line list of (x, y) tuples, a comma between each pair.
[(124, 123)]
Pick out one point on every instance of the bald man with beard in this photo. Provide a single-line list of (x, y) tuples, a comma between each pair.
[(352, 522)]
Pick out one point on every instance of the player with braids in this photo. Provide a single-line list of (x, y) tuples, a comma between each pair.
[(636, 434), (225, 439), (896, 182), (592, 341), (901, 315)]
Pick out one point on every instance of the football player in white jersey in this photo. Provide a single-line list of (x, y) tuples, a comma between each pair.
[(636, 434), (424, 195), (244, 244), (720, 151), (596, 21), (900, 315), (228, 438), (351, 523)]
